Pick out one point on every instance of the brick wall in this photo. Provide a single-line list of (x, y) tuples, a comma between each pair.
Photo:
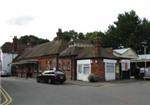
[(46, 62), (65, 64), (97, 67), (50, 62)]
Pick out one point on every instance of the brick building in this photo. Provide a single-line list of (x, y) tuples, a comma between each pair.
[(78, 59)]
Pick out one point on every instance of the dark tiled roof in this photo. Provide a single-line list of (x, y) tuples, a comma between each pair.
[(44, 49), (86, 52), (61, 47), (23, 54), (9, 48)]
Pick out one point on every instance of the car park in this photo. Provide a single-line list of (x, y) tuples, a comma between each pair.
[(51, 76)]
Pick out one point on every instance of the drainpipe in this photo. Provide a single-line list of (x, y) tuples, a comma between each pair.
[(37, 68), (57, 61)]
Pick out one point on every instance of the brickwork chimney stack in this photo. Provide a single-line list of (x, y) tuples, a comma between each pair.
[(59, 34), (98, 45), (15, 44)]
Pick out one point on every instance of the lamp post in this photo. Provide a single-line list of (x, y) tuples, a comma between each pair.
[(145, 55), (144, 45)]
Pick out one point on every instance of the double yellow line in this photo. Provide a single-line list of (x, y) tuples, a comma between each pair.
[(6, 100)]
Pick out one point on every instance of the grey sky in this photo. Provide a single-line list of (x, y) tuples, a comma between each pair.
[(43, 17), (21, 20)]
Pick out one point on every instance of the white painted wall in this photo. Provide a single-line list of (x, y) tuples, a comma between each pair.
[(122, 64), (0, 59), (81, 75), (110, 75), (6, 60)]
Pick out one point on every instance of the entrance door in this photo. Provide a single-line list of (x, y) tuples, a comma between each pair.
[(110, 70), (83, 69)]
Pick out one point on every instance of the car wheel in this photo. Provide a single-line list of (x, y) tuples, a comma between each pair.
[(61, 82), (38, 80)]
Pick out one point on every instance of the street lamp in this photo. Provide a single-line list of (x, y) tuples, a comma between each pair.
[(144, 45)]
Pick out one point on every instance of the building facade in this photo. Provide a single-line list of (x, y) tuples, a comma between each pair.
[(77, 58)]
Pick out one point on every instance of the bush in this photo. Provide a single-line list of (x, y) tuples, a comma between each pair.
[(93, 78)]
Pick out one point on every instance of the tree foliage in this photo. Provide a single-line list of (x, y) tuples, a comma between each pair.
[(32, 40), (70, 35), (128, 31)]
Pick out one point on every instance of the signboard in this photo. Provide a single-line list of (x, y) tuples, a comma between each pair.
[(124, 66)]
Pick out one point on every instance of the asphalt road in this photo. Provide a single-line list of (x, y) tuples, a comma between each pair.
[(28, 92)]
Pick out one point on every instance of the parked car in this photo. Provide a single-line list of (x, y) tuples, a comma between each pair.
[(51, 76), (147, 73), (4, 73)]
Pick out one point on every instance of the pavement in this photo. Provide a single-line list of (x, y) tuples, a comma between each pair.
[(102, 83), (93, 84)]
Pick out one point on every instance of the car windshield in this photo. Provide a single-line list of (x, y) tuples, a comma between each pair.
[(52, 70), (48, 71)]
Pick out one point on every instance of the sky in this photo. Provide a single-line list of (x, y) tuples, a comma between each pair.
[(42, 18)]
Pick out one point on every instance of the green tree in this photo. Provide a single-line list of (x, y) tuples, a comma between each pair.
[(129, 31), (71, 34), (91, 36), (32, 39), (81, 36)]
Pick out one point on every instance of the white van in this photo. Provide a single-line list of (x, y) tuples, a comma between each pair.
[(147, 73)]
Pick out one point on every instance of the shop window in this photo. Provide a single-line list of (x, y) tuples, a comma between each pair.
[(86, 69), (110, 67)]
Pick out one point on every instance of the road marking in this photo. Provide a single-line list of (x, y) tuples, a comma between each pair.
[(7, 98)]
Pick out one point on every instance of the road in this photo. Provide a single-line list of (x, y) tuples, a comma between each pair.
[(28, 92)]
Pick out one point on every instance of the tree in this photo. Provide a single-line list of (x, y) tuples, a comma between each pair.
[(32, 40), (81, 36), (128, 31), (69, 35)]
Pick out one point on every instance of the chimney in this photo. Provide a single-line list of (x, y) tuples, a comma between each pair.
[(15, 44), (59, 34), (98, 45)]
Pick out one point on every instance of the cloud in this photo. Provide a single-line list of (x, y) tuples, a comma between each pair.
[(21, 20)]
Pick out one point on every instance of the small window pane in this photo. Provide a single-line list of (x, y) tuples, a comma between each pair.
[(110, 67), (79, 68), (86, 69)]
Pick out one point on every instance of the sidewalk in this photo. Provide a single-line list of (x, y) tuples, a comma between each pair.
[(101, 83), (93, 84)]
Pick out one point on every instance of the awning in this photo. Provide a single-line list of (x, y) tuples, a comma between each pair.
[(140, 60), (28, 61)]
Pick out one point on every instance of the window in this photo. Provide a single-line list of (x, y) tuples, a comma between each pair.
[(110, 67), (83, 69), (49, 73), (86, 69), (80, 68)]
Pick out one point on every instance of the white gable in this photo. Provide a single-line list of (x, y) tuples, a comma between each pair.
[(121, 51), (125, 53)]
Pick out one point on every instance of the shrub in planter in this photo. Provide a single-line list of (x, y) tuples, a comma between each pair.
[(93, 78)]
